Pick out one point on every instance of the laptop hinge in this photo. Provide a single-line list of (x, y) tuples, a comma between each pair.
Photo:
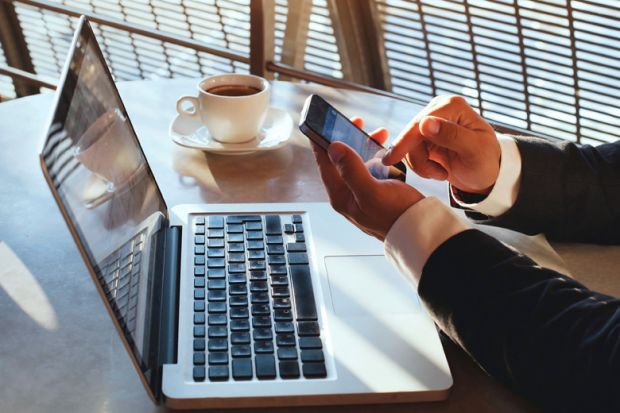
[(170, 297)]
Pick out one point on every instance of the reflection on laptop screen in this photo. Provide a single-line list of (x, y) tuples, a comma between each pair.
[(106, 188)]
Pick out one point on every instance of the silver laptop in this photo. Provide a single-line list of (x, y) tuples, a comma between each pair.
[(230, 305)]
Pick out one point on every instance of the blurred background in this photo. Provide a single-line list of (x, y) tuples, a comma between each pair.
[(551, 67)]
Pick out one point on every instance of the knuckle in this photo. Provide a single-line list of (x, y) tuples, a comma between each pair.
[(456, 100)]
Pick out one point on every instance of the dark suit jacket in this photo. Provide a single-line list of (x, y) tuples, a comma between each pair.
[(538, 331)]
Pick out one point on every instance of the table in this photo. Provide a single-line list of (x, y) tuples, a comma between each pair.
[(59, 351)]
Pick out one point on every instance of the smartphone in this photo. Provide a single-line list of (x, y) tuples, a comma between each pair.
[(323, 124)]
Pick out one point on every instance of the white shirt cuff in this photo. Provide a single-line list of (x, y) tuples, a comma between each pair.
[(418, 232), (504, 193)]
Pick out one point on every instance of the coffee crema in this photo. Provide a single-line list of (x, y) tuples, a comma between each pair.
[(233, 90)]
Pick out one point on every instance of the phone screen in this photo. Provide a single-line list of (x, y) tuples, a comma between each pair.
[(333, 126)]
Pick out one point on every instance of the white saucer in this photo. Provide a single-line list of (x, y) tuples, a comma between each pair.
[(274, 134)]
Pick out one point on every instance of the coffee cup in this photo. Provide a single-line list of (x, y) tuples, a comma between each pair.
[(233, 107)]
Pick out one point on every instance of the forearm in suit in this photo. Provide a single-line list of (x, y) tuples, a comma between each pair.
[(538, 331), (568, 192)]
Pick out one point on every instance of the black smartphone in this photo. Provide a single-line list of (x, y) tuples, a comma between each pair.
[(323, 124)]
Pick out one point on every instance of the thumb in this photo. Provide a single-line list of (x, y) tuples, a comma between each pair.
[(351, 168)]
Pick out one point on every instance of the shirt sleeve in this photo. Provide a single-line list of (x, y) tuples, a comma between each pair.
[(504, 193), (418, 232)]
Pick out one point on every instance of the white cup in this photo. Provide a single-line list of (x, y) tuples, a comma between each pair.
[(230, 119)]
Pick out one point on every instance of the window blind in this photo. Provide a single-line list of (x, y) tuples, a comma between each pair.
[(550, 66)]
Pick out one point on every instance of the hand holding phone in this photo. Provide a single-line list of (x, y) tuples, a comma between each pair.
[(323, 124)]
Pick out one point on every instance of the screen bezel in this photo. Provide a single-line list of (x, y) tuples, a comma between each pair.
[(64, 94)]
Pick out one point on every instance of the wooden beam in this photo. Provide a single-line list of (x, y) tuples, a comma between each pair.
[(296, 34), (15, 48), (262, 44), (359, 35)]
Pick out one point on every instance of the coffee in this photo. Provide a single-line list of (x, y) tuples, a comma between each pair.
[(233, 90)]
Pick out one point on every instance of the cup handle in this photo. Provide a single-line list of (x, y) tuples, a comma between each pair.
[(193, 111)]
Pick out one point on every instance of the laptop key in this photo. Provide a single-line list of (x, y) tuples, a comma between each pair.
[(260, 309), (217, 344), (254, 235), (238, 289), (256, 255), (236, 257), (215, 221), (199, 344), (199, 282), (238, 301), (199, 293), (215, 233), (253, 226), (236, 268), (277, 270), (260, 298), (240, 338), (310, 343), (282, 315), (199, 359), (238, 278), (305, 305), (218, 357), (262, 334), (199, 373), (265, 366), (242, 369), (289, 228), (299, 237), (282, 303), (258, 275), (314, 370), (256, 245), (199, 260), (261, 322), (258, 286), (199, 229), (239, 325), (308, 328), (218, 284), (312, 355), (216, 253), (236, 247), (199, 271), (234, 228), (216, 273), (261, 347), (275, 249), (199, 331), (241, 350), (284, 327), (218, 373), (199, 305), (199, 240), (217, 332), (280, 292), (274, 239), (216, 295), (257, 265), (199, 220), (239, 312), (217, 320), (276, 260), (287, 353), (285, 340), (234, 237), (273, 225), (215, 243), (289, 369), (217, 307), (278, 280), (199, 318), (296, 219), (199, 249), (216, 263), (295, 258), (296, 247)]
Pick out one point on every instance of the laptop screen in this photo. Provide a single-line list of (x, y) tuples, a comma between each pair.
[(106, 188)]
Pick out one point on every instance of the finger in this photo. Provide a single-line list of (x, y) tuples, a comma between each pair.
[(352, 170), (329, 173), (425, 167), (380, 136), (408, 140), (447, 134), (357, 121)]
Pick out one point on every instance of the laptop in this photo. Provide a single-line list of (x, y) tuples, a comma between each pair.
[(229, 305)]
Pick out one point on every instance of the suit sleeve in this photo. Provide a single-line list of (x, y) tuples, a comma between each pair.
[(568, 192), (538, 331)]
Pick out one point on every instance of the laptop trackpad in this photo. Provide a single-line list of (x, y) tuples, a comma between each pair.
[(367, 285)]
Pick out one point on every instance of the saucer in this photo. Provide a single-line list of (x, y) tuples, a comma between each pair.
[(275, 133)]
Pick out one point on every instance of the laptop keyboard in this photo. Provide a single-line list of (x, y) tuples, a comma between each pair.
[(255, 314), (120, 274)]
